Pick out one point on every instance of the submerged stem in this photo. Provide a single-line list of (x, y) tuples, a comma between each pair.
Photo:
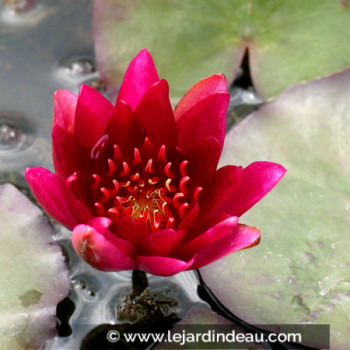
[(139, 283)]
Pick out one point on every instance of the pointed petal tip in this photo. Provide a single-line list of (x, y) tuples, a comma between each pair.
[(242, 237), (61, 93), (64, 102), (163, 83), (255, 235), (201, 90), (144, 53), (140, 75), (83, 88), (102, 250), (221, 78), (273, 170), (27, 171), (48, 189), (34, 171), (259, 178)]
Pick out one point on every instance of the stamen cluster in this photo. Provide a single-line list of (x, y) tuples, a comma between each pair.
[(152, 186)]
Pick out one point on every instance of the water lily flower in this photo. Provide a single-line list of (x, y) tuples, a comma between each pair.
[(138, 182)]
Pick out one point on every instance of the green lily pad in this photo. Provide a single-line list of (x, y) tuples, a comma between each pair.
[(289, 41), (300, 272), (33, 275)]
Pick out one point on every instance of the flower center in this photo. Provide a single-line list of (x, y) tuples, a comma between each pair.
[(151, 187)]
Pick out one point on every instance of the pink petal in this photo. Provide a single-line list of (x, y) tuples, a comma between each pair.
[(48, 189), (161, 242), (139, 77), (162, 266), (79, 210), (241, 238), (205, 119), (210, 236), (124, 130), (258, 179), (100, 224), (223, 184), (198, 92), (203, 160), (102, 250), (205, 224), (65, 104), (130, 230), (155, 114), (68, 155), (92, 116)]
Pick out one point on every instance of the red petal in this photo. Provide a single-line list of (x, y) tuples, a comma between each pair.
[(190, 218), (210, 236), (79, 210), (48, 189), (92, 115), (100, 224), (101, 249), (139, 77), (258, 179), (205, 119), (155, 114), (68, 155), (241, 238), (161, 242), (203, 160), (198, 92), (162, 266), (130, 230), (65, 104), (223, 184), (124, 130)]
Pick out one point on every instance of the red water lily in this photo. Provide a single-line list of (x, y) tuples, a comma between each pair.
[(137, 182)]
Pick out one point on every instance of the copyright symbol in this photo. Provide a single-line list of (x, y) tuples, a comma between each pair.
[(113, 336)]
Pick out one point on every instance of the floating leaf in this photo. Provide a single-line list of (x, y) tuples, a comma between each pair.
[(289, 41), (300, 272), (33, 275)]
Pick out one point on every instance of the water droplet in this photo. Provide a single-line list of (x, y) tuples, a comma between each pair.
[(83, 289), (17, 7), (79, 66), (79, 70), (23, 12), (16, 133), (9, 135)]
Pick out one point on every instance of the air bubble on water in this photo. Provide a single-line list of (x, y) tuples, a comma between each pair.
[(16, 7), (22, 12), (79, 70), (9, 135), (16, 133), (79, 66), (83, 289)]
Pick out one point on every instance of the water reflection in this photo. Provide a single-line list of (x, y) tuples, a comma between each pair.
[(100, 297)]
